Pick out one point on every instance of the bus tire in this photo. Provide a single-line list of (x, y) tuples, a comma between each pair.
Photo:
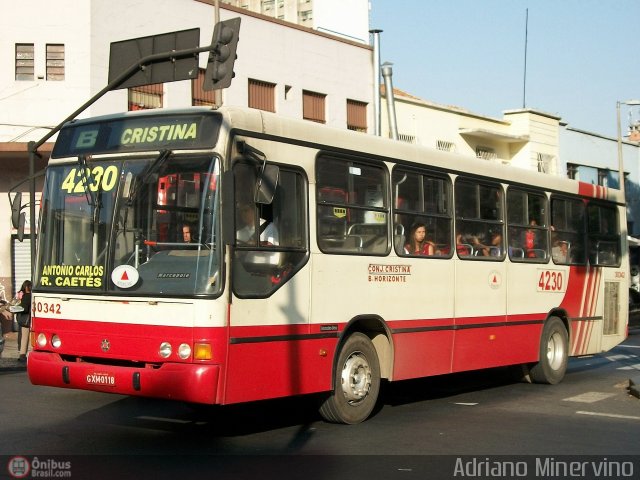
[(554, 353), (356, 384)]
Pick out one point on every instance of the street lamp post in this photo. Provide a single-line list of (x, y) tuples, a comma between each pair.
[(620, 161)]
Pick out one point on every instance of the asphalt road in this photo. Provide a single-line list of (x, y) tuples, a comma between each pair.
[(421, 431)]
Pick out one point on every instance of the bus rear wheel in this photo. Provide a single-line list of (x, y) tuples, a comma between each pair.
[(356, 384), (554, 353)]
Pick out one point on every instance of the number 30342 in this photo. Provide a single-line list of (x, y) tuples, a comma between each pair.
[(44, 307)]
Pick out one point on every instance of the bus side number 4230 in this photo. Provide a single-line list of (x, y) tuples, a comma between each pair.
[(551, 281)]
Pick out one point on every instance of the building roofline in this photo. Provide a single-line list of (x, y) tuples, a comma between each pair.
[(294, 26), (532, 110), (403, 96), (599, 135), (23, 147)]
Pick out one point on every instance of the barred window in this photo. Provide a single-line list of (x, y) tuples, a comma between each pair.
[(404, 137), (146, 97), (313, 106), (24, 61), (486, 153), (55, 62), (199, 96), (262, 95), (356, 116), (445, 145)]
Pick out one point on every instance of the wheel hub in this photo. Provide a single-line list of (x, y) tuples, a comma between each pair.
[(555, 351), (356, 378)]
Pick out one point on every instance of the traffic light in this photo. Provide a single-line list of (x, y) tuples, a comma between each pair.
[(222, 55)]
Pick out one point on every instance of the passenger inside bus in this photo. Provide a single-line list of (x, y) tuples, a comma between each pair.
[(247, 232), (560, 251), (417, 241), (186, 233), (494, 246), (530, 240), (463, 249)]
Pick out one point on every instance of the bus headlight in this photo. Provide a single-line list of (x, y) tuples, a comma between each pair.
[(55, 341), (41, 340), (184, 351), (165, 350)]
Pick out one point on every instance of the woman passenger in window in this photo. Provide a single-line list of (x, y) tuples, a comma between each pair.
[(530, 240), (418, 243)]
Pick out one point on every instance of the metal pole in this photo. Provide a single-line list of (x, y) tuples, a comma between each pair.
[(377, 113), (217, 94), (32, 206), (620, 160), (387, 73)]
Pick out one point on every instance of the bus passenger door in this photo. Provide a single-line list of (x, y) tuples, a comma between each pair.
[(480, 294), (480, 314), (270, 352)]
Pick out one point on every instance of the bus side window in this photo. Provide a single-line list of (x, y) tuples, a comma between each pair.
[(479, 220), (422, 204), (352, 207), (604, 241), (568, 224), (527, 226), (277, 248)]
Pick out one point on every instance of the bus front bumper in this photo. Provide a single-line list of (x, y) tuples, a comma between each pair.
[(175, 381)]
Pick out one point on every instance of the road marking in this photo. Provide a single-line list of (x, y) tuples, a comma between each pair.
[(628, 346), (635, 366), (610, 415), (615, 358), (466, 404), (589, 397)]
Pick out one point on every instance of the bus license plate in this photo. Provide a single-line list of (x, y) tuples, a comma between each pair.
[(101, 379)]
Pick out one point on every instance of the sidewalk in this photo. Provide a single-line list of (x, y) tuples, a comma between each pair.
[(9, 357)]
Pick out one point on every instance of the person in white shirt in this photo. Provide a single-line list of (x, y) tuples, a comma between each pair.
[(246, 234)]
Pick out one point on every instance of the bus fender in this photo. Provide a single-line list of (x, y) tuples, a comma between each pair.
[(378, 332)]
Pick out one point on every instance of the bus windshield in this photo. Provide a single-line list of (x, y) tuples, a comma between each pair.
[(145, 225)]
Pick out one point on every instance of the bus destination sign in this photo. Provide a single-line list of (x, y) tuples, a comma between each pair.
[(138, 133)]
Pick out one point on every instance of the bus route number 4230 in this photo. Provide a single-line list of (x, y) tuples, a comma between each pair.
[(551, 281)]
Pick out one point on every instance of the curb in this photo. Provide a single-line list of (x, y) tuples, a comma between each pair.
[(634, 386), (12, 365)]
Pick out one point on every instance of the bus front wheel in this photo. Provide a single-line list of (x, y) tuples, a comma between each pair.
[(356, 384), (554, 353)]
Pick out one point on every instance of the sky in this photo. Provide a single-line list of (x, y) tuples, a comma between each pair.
[(582, 56)]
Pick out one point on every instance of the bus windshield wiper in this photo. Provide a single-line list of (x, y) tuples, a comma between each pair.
[(153, 167), (86, 176)]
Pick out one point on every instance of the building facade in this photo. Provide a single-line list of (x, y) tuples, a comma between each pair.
[(58, 60), (522, 138)]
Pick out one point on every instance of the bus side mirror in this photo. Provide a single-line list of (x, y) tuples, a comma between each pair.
[(21, 222), (266, 184), (16, 206)]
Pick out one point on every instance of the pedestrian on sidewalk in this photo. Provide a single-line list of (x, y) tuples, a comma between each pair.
[(24, 320)]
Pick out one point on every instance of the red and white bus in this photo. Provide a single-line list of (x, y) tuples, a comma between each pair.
[(298, 274)]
